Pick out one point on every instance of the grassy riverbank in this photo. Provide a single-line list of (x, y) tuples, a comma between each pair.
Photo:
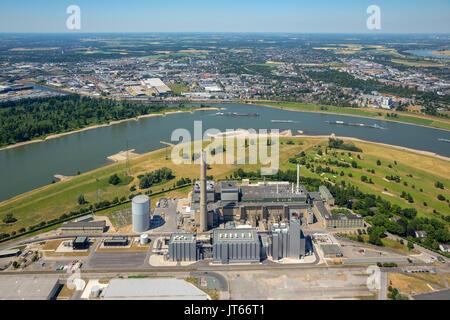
[(419, 171), (406, 117)]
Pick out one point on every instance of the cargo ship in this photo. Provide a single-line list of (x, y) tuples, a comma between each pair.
[(237, 114), (282, 121), (354, 124)]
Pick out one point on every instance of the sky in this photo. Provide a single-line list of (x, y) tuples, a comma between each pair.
[(297, 16)]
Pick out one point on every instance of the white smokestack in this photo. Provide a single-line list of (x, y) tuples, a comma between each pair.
[(203, 208), (298, 177)]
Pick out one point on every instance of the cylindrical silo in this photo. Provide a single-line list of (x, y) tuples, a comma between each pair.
[(140, 210), (144, 239), (95, 292)]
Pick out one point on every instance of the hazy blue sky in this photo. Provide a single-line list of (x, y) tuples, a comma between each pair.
[(322, 16)]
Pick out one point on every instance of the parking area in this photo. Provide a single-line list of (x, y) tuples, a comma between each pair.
[(118, 260)]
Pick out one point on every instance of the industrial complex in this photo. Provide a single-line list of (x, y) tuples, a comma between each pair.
[(220, 225)]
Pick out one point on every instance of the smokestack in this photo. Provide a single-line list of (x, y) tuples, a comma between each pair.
[(298, 177), (203, 208)]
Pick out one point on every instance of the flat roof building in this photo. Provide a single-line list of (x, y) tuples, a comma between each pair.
[(336, 221), (80, 243), (116, 241), (183, 247), (236, 245), (152, 289), (84, 227), (326, 195), (28, 288)]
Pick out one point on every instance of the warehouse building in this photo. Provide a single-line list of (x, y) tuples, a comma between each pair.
[(183, 247), (29, 288), (152, 289), (84, 227), (116, 242), (236, 245), (10, 253)]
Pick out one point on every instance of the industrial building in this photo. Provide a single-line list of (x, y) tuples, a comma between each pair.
[(236, 245), (288, 241), (140, 213), (10, 253), (157, 85), (80, 243), (29, 288), (84, 227), (183, 247), (326, 195), (116, 242), (210, 191), (152, 289), (336, 221)]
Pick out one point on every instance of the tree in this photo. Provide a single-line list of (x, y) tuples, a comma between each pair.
[(114, 179), (439, 185), (410, 245), (378, 163), (9, 218), (81, 199)]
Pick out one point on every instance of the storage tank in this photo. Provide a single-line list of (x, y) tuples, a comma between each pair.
[(140, 212), (144, 239), (95, 292)]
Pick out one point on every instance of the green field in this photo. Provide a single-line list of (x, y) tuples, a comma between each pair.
[(51, 201), (406, 117)]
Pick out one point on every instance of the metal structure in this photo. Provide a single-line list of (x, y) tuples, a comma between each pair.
[(183, 247), (236, 245), (203, 204), (144, 239), (288, 241), (140, 213)]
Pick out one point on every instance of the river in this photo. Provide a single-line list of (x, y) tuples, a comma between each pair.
[(33, 165), (428, 54)]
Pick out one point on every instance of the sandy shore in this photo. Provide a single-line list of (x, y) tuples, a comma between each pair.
[(123, 155), (59, 135)]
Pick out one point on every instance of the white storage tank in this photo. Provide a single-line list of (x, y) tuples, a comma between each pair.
[(95, 292), (144, 239), (140, 213)]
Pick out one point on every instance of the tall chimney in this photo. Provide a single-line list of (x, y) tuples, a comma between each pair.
[(298, 177), (203, 208)]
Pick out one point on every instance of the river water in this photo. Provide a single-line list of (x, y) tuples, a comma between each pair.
[(31, 166)]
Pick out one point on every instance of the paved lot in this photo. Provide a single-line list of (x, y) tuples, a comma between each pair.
[(168, 222), (117, 260), (299, 284)]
